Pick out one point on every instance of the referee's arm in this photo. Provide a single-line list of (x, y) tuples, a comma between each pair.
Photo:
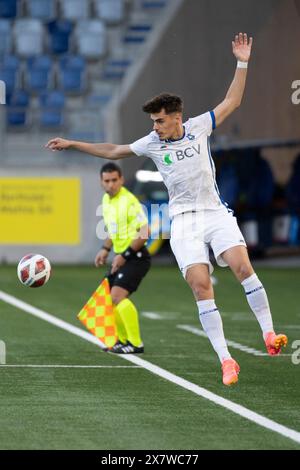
[(142, 236), (136, 245), (102, 255)]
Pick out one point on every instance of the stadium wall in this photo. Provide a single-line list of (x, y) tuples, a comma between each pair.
[(56, 207)]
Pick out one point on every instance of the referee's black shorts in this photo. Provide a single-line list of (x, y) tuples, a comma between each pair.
[(130, 275)]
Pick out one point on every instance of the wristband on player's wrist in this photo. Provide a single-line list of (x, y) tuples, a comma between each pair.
[(105, 248), (129, 253), (242, 65)]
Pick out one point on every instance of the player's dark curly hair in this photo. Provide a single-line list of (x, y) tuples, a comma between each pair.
[(170, 103), (110, 168)]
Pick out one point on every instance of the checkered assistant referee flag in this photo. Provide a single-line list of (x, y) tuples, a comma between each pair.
[(98, 315)]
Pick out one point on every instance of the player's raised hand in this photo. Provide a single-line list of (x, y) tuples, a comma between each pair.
[(58, 144), (241, 47)]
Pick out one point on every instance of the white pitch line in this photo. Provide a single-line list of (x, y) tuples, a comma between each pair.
[(200, 391), (160, 316), (232, 344), (65, 366), (9, 299), (152, 315)]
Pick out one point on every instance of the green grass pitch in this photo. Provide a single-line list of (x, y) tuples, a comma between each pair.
[(131, 408)]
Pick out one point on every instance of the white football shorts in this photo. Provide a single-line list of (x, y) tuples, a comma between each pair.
[(192, 233)]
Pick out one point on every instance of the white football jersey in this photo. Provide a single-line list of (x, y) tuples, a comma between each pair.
[(186, 165)]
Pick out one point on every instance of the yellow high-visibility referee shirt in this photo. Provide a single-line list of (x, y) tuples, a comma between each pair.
[(123, 216)]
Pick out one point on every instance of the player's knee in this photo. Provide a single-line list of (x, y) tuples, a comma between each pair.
[(244, 270), (201, 288)]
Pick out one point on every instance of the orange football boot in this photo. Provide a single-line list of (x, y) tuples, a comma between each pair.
[(231, 371), (275, 342)]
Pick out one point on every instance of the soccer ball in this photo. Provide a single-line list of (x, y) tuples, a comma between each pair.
[(34, 270)]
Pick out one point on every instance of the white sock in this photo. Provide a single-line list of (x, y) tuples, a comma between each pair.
[(258, 301), (211, 322)]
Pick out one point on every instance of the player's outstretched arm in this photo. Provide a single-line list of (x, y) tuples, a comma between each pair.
[(241, 48), (109, 151)]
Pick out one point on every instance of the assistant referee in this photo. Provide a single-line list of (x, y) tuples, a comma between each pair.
[(127, 229)]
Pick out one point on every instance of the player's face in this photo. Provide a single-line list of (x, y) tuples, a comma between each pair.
[(167, 126), (112, 183)]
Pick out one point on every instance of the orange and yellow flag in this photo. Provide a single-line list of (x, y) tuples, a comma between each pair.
[(98, 315)]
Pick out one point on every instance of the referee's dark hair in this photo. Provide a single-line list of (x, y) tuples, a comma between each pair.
[(110, 168)]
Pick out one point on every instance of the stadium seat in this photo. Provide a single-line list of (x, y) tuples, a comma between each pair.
[(51, 109), (60, 32), (29, 35), (115, 69), (72, 74), (9, 72), (91, 38), (10, 62), (260, 191), (75, 9), (98, 100), (100, 95), (72, 61), (137, 31), (17, 109), (153, 4), (8, 8), (39, 73), (43, 9), (228, 184), (110, 11), (257, 188), (5, 36), (292, 189)]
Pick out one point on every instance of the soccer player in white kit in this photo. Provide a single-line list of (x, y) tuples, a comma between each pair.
[(200, 219)]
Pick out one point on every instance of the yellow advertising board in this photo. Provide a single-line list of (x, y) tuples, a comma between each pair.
[(40, 211)]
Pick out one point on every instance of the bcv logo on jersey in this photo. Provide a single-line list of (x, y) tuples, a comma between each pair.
[(188, 152)]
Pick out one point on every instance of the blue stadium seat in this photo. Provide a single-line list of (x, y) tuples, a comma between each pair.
[(257, 190), (115, 69), (17, 109), (39, 73), (137, 33), (43, 62), (5, 36), (51, 109), (91, 38), (72, 74), (260, 191), (9, 72), (98, 100), (9, 77), (292, 193), (153, 4), (29, 37), (60, 31), (110, 11), (72, 61), (8, 8), (43, 9), (10, 62), (228, 184), (293, 189), (75, 9)]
